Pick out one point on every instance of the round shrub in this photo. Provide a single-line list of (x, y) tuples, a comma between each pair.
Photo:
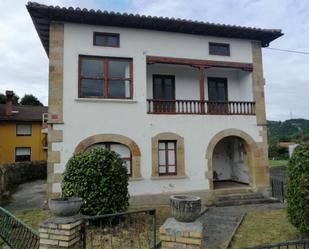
[(297, 188), (100, 178)]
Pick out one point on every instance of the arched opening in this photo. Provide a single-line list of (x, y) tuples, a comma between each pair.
[(124, 146), (122, 150), (250, 151), (230, 163)]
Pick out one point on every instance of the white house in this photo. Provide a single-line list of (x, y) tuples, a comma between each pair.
[(181, 101)]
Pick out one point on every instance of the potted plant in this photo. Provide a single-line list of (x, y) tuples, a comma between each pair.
[(185, 208)]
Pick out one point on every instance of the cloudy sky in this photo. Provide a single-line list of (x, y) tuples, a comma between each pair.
[(24, 64)]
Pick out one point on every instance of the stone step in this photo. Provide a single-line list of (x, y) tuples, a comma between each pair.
[(238, 202), (244, 196)]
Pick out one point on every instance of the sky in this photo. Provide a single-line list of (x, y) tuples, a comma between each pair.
[(24, 64)]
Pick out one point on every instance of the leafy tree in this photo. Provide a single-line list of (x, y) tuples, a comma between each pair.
[(30, 99), (100, 178), (297, 189), (3, 99)]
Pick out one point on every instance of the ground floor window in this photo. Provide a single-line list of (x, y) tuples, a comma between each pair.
[(22, 154), (122, 150), (167, 155), (167, 158)]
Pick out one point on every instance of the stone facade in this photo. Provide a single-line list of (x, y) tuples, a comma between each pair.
[(55, 102), (261, 154), (61, 233)]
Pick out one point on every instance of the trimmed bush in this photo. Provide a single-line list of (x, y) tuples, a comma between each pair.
[(100, 178), (297, 188)]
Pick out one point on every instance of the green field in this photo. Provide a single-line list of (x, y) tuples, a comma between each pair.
[(276, 163)]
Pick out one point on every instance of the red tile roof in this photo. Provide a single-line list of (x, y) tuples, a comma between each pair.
[(42, 15), (23, 113)]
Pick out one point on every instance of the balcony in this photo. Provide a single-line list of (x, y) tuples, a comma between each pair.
[(199, 87), (200, 107)]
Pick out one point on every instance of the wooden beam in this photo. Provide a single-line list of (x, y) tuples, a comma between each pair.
[(195, 62), (202, 87)]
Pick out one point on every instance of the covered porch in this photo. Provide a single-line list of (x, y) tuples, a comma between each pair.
[(184, 86)]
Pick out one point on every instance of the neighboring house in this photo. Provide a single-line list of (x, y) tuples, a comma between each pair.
[(21, 136), (181, 101)]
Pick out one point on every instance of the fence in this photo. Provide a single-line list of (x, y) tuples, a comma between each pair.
[(298, 244), (136, 229), (277, 187), (15, 233)]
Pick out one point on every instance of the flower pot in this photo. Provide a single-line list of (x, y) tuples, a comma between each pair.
[(185, 208), (65, 207)]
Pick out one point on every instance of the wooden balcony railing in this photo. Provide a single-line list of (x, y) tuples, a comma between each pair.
[(200, 107)]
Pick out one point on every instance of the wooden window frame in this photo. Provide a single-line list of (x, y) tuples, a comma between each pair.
[(164, 76), (23, 147), (105, 79), (166, 165), (23, 135), (219, 44), (106, 34), (215, 79)]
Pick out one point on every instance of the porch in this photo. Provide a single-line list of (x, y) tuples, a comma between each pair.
[(201, 87)]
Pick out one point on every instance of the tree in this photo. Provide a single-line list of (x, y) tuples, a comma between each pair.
[(3, 99), (30, 99), (297, 189), (100, 178)]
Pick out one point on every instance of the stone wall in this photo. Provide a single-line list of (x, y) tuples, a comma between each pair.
[(12, 174)]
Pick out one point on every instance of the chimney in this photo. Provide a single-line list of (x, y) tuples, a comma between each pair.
[(9, 103)]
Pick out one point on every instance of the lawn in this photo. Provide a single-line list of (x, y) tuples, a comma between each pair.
[(276, 163), (258, 227), (263, 227)]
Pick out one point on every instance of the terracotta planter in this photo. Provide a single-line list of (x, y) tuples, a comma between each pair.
[(185, 208), (65, 207)]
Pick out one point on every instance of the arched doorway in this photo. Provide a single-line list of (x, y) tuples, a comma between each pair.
[(246, 149), (230, 163)]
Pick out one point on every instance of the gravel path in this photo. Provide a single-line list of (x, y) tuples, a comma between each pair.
[(28, 195), (222, 222)]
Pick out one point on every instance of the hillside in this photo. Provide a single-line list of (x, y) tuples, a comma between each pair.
[(290, 130), (296, 130)]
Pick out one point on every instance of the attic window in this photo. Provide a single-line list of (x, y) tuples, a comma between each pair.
[(106, 39), (219, 49)]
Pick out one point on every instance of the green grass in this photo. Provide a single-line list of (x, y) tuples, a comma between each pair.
[(258, 227), (276, 163), (263, 227), (32, 217)]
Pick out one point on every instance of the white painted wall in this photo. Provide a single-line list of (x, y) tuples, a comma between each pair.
[(84, 118), (228, 161)]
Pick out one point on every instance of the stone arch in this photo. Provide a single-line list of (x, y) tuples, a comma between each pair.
[(180, 157), (250, 147), (116, 138)]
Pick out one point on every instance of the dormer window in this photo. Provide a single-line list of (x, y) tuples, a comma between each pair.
[(105, 77), (106, 39), (219, 49)]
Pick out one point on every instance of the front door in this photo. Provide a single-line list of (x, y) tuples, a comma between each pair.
[(217, 96), (164, 93)]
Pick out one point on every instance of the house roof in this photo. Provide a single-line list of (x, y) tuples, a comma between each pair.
[(23, 113), (42, 15)]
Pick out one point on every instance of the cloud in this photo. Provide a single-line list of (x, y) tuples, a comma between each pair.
[(24, 64)]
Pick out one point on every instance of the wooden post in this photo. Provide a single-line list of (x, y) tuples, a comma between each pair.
[(202, 88)]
